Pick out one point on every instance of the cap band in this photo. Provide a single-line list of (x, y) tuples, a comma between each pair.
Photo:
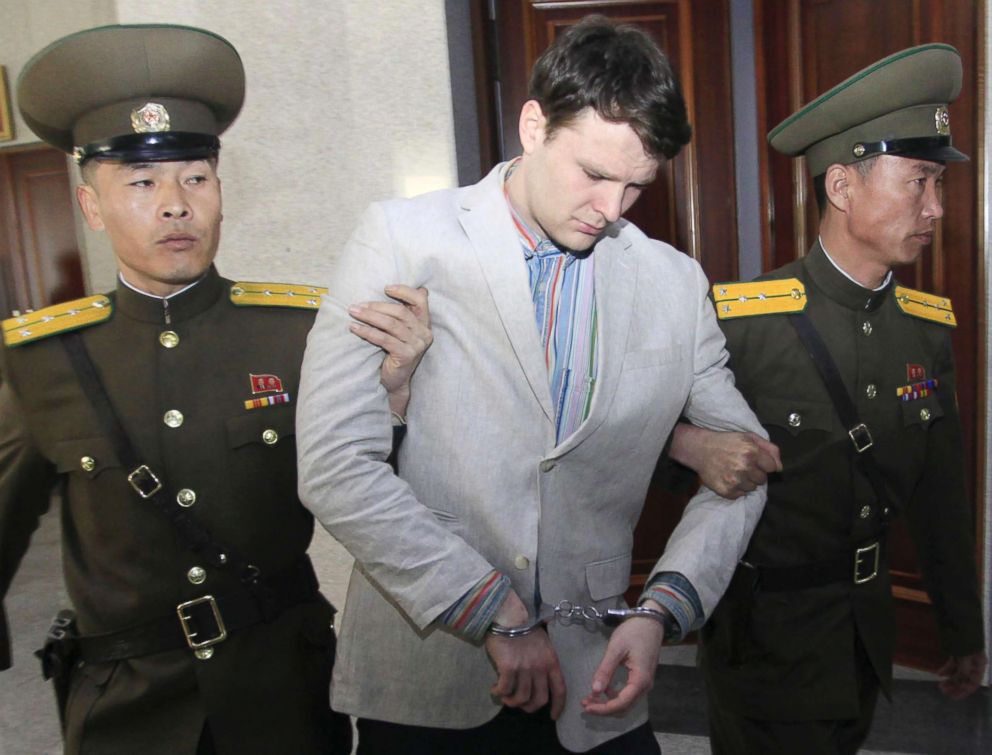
[(155, 147)]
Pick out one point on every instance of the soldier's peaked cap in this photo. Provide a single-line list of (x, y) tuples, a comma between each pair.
[(135, 93), (896, 106)]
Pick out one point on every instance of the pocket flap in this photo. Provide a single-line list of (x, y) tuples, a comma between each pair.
[(267, 426), (922, 411), (89, 456), (796, 415), (608, 578)]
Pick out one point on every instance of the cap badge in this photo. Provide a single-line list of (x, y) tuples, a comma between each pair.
[(150, 119), (943, 121)]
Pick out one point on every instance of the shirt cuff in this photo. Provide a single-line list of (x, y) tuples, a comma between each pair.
[(676, 593), (471, 615)]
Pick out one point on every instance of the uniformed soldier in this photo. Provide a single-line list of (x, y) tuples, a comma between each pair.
[(166, 411), (853, 376)]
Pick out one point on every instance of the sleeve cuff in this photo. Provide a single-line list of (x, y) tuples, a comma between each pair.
[(676, 593), (471, 615)]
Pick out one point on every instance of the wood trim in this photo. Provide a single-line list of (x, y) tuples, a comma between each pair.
[(984, 262), (764, 188), (795, 42), (687, 73)]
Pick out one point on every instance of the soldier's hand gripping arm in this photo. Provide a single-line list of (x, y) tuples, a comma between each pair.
[(729, 463), (403, 331)]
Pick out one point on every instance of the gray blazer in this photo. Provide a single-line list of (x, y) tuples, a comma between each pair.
[(482, 483)]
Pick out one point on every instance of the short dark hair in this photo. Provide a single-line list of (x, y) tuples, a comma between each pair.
[(621, 73)]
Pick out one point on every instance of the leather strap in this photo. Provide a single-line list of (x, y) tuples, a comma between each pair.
[(192, 535), (846, 410)]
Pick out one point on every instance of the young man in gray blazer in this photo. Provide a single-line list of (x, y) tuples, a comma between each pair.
[(530, 449)]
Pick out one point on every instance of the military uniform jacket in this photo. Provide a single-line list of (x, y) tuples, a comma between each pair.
[(793, 658), (178, 373)]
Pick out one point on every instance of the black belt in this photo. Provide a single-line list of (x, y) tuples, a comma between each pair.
[(858, 566), (207, 620)]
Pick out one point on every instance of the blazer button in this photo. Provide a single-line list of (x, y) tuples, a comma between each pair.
[(169, 339), (548, 465), (871, 390), (270, 437), (924, 414), (88, 463), (521, 562), (865, 512), (197, 575), (795, 419), (173, 418), (866, 328)]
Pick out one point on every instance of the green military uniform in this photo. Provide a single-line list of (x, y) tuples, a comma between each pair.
[(179, 376), (204, 384), (817, 651)]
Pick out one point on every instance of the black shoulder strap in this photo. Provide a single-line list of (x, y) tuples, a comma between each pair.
[(146, 484), (857, 430)]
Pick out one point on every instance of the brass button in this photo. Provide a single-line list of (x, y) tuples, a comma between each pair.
[(270, 437), (204, 654), (795, 419), (186, 498), (924, 414), (865, 512), (169, 339), (521, 561), (88, 463), (173, 418), (197, 575), (871, 390), (866, 328), (547, 466)]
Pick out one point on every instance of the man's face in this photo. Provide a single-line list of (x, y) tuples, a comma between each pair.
[(581, 178), (163, 219), (892, 210)]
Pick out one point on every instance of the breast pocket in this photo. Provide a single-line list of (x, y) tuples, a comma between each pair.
[(644, 358), (266, 428)]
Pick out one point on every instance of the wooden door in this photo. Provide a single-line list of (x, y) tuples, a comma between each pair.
[(692, 205), (804, 47), (39, 257)]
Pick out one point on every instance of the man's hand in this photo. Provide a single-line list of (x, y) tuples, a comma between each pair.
[(527, 666), (728, 463), (635, 644), (962, 675), (403, 331)]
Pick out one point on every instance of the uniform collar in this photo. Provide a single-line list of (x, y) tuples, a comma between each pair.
[(838, 286), (184, 305)]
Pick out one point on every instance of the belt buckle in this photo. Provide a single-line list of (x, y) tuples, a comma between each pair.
[(144, 481), (861, 438), (184, 620), (859, 562)]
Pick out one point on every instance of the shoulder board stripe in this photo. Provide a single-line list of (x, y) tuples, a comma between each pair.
[(58, 318), (247, 294), (769, 297), (926, 306)]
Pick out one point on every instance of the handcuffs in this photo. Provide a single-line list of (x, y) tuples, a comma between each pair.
[(612, 617)]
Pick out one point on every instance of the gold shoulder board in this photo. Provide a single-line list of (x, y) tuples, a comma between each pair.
[(769, 297), (926, 306), (58, 318), (247, 294)]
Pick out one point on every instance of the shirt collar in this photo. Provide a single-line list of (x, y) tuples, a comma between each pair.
[(842, 271), (530, 240)]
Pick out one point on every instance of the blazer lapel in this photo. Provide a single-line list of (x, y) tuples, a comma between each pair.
[(487, 223), (616, 282)]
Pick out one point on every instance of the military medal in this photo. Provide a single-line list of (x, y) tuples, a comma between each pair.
[(258, 403), (917, 390)]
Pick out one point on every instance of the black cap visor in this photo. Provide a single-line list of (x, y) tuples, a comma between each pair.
[(158, 147)]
